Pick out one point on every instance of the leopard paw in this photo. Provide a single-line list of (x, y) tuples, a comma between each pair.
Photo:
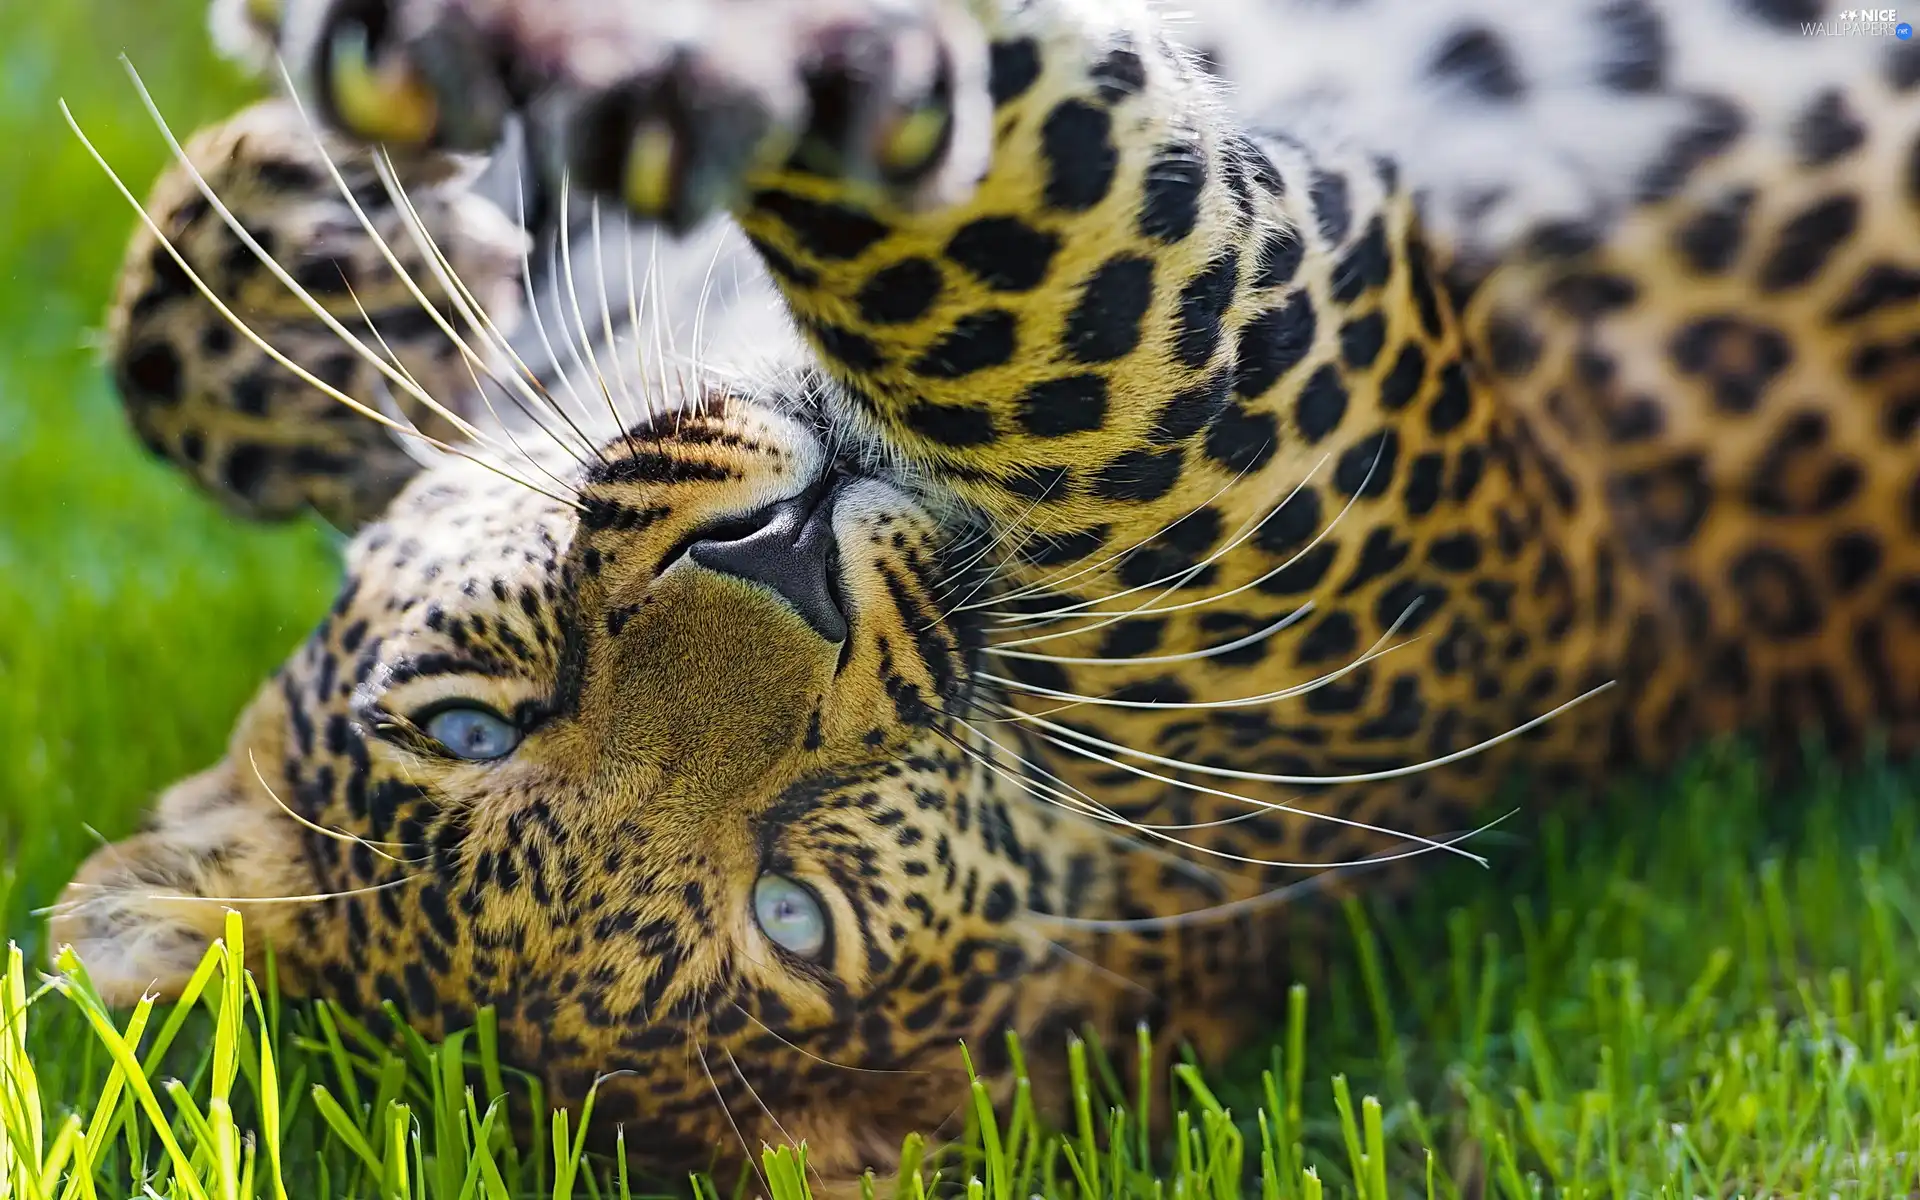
[(673, 106), (216, 345)]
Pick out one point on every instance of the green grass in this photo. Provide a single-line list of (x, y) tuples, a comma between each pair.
[(1708, 988), (1651, 1008)]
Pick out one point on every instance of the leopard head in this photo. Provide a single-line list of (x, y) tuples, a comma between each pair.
[(673, 763)]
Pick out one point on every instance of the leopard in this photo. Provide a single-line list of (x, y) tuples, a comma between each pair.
[(1149, 471)]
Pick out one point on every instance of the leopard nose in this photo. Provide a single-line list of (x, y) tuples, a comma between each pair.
[(794, 554)]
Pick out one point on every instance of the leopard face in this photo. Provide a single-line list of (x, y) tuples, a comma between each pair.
[(674, 774)]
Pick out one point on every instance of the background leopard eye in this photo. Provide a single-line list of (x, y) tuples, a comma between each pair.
[(472, 733), (790, 916)]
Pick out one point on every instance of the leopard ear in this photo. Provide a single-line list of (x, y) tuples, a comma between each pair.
[(140, 913)]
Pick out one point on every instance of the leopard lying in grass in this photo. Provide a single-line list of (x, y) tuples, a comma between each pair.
[(1148, 499)]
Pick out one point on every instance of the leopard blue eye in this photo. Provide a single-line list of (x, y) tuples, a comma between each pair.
[(473, 733), (790, 916)]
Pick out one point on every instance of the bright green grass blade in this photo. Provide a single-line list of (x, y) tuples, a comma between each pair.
[(142, 1092), (344, 1128)]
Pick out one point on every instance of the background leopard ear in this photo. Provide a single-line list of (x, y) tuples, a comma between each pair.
[(140, 913)]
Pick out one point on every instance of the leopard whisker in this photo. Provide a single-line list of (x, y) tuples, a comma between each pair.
[(1078, 802), (1324, 780), (392, 407), (1379, 649), (78, 906), (582, 340), (1231, 908), (1059, 580), (265, 347), (706, 298), (1168, 583), (664, 348), (1064, 795), (1151, 608), (1427, 844), (654, 369), (611, 341), (1075, 804), (963, 541), (431, 253), (1099, 620), (1240, 643), (286, 279), (727, 1110), (529, 382), (810, 1055), (472, 310), (383, 398), (1101, 969), (635, 312), (338, 835), (539, 320), (754, 1095), (955, 576), (576, 333), (379, 339), (1225, 910)]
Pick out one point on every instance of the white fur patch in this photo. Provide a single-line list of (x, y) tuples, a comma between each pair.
[(1566, 146)]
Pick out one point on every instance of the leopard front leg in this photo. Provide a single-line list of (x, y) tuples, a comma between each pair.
[(1027, 239)]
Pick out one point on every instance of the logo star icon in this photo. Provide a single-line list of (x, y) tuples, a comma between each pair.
[(1847, 15)]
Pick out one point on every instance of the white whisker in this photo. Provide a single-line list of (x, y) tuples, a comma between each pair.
[(338, 835), (426, 456), (1265, 805), (1074, 803), (1379, 649), (727, 1110), (436, 261), (539, 319), (71, 907), (662, 333), (1152, 609), (1009, 529), (265, 347), (522, 390), (1286, 622), (1319, 780), (634, 323), (1231, 908), (1057, 581), (762, 1105), (576, 334), (606, 310), (706, 297), (808, 1054), (1101, 969)]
